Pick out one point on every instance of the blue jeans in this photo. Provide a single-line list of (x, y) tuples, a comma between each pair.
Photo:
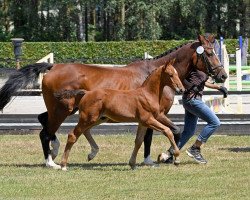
[(194, 109)]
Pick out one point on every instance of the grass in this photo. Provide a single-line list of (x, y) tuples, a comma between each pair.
[(108, 176)]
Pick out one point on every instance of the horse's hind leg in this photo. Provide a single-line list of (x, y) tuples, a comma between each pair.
[(93, 145), (46, 138), (138, 142), (51, 121), (72, 138)]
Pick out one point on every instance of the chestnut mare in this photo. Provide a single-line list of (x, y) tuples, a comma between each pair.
[(82, 76), (140, 105)]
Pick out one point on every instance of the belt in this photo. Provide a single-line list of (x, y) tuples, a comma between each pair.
[(191, 95)]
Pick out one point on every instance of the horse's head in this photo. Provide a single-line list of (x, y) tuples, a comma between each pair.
[(206, 60), (173, 78)]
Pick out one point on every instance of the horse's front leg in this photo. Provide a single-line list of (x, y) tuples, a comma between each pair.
[(167, 122), (93, 145), (155, 124), (177, 135), (138, 141)]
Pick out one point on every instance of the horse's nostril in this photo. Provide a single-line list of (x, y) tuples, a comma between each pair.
[(224, 76)]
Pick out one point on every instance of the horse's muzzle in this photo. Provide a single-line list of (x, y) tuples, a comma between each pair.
[(221, 79), (179, 90)]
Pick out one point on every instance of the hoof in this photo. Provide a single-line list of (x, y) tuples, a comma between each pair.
[(90, 157), (133, 167), (50, 163), (177, 161), (53, 166), (163, 157), (64, 168)]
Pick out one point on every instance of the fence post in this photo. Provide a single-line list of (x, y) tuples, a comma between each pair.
[(239, 76), (17, 43), (244, 52), (225, 62), (50, 59), (238, 69), (147, 56), (221, 50)]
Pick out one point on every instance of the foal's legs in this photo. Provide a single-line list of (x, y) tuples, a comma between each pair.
[(153, 123), (93, 145), (72, 138), (141, 131), (167, 122)]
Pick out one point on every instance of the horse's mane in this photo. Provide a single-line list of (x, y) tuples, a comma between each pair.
[(171, 50), (151, 75)]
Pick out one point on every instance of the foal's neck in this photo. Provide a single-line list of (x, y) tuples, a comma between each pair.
[(155, 82)]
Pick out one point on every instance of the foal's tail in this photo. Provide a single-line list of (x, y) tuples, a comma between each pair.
[(20, 79), (67, 94)]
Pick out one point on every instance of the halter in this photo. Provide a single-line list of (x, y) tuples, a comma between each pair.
[(200, 51)]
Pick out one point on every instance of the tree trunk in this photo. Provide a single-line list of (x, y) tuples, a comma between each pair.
[(80, 21)]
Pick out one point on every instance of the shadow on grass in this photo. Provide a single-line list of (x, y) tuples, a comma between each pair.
[(84, 166), (100, 166), (236, 149), (108, 166), (22, 165)]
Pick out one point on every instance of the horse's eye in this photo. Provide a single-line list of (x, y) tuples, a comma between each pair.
[(210, 54)]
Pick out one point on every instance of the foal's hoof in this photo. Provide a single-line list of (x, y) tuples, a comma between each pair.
[(133, 167), (64, 168), (177, 161), (90, 157)]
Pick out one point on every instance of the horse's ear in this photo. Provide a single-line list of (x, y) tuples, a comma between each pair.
[(212, 38), (201, 38)]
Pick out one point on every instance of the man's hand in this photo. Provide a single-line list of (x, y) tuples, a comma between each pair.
[(223, 90)]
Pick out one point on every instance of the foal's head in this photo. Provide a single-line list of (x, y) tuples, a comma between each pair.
[(173, 79), (206, 60)]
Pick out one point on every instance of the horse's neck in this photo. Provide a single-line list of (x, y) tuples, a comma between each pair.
[(155, 83), (183, 62)]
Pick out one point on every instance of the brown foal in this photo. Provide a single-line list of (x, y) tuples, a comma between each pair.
[(141, 105)]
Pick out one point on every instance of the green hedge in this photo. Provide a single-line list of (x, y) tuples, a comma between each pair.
[(96, 52)]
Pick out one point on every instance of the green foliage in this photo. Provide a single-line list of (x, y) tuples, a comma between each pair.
[(92, 52), (118, 20)]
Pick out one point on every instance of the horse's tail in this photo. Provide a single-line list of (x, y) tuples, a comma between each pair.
[(20, 79), (67, 94)]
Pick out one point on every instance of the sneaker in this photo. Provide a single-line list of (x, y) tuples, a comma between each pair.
[(149, 162), (195, 153)]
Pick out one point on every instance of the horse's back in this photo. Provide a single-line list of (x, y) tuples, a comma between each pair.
[(88, 77)]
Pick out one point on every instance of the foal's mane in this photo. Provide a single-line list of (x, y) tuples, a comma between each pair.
[(171, 50)]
